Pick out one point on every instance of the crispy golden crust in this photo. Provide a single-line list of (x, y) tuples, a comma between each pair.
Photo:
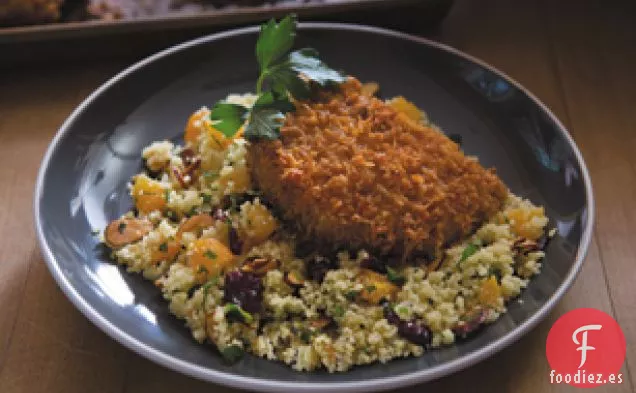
[(351, 171)]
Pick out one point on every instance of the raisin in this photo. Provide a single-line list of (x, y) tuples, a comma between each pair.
[(236, 243), (470, 326), (244, 289), (318, 266), (412, 330)]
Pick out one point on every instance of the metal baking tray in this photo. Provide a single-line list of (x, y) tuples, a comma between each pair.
[(221, 17)]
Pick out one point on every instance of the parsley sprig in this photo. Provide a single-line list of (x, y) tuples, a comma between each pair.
[(283, 76)]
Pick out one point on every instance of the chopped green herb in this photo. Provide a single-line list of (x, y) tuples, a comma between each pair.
[(394, 276), (338, 311), (232, 353), (163, 247), (171, 215), (206, 289), (352, 295), (305, 336), (370, 288), (207, 198), (234, 202), (121, 227), (234, 312), (468, 251), (202, 269), (210, 283), (402, 310), (496, 272), (192, 211), (210, 174), (210, 254), (166, 195)]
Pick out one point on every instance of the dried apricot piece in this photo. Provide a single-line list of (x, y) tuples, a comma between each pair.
[(166, 251), (490, 292), (125, 231), (149, 194), (209, 257), (405, 106), (376, 286), (195, 125), (195, 224), (522, 222)]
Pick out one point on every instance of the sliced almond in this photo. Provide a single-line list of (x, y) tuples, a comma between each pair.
[(320, 323), (260, 266), (294, 279), (524, 246)]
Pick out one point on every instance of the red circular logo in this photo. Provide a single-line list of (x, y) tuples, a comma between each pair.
[(585, 348)]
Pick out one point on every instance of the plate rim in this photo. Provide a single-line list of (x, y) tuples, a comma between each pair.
[(271, 385)]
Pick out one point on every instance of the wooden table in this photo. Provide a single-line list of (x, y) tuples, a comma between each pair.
[(577, 56)]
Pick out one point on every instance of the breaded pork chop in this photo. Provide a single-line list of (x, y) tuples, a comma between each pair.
[(351, 171)]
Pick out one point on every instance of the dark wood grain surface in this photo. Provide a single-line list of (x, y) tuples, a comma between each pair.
[(579, 57)]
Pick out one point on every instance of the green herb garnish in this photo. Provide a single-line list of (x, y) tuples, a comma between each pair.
[(370, 288), (283, 75), (166, 195), (207, 198), (338, 311), (402, 310), (206, 289), (468, 251), (232, 353), (211, 174), (210, 254), (163, 247), (228, 118), (496, 272), (274, 41), (234, 312), (351, 295), (210, 283), (305, 336), (394, 276)]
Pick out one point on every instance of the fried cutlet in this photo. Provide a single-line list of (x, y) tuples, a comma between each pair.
[(351, 171)]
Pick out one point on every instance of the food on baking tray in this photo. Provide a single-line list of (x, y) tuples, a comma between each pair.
[(24, 12), (316, 224)]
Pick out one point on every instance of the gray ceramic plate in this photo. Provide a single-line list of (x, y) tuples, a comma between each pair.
[(82, 186)]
